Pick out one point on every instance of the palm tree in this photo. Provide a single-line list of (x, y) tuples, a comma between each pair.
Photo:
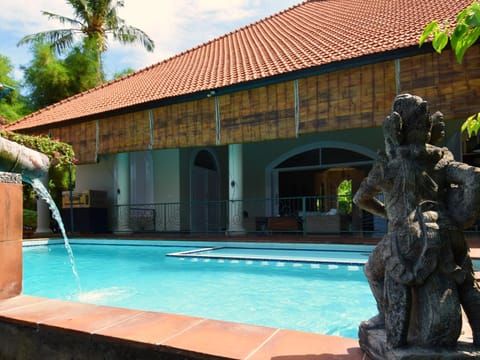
[(94, 20)]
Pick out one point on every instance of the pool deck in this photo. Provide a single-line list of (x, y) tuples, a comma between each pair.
[(57, 327), (154, 335)]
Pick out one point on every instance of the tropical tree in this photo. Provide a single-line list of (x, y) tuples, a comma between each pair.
[(123, 72), (46, 77), (461, 36), (94, 20), (49, 79), (12, 105)]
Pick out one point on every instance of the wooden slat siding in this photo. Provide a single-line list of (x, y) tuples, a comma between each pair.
[(366, 96), (81, 137), (384, 91), (186, 124), (122, 133), (264, 113), (448, 86), (353, 98)]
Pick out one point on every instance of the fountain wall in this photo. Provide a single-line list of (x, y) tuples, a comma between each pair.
[(11, 233)]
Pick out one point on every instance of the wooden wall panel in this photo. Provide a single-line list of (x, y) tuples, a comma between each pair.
[(448, 86), (185, 124), (353, 98), (82, 138), (258, 114), (122, 133)]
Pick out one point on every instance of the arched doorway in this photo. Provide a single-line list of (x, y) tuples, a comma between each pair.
[(314, 172), (204, 193)]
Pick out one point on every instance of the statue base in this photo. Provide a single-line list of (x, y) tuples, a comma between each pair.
[(374, 343)]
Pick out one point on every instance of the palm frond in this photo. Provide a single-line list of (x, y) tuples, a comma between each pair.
[(128, 34), (63, 19), (60, 40), (64, 42), (80, 9)]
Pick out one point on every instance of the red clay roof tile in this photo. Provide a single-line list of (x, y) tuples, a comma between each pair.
[(313, 33)]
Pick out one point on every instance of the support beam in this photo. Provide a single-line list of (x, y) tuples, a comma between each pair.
[(235, 190), (123, 193)]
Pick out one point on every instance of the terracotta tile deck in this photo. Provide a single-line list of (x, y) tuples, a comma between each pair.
[(184, 334)]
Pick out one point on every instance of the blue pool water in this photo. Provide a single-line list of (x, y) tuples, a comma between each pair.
[(312, 296)]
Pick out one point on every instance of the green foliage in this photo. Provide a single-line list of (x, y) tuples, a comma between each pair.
[(94, 21), (82, 65), (122, 73), (472, 125), (29, 218), (462, 36), (62, 161), (12, 105), (344, 193), (46, 77), (50, 79)]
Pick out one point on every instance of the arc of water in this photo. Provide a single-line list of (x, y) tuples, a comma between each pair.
[(45, 195)]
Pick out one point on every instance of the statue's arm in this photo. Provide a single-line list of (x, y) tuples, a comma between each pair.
[(365, 196), (464, 194)]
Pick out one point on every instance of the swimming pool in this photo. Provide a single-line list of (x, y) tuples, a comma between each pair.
[(298, 293)]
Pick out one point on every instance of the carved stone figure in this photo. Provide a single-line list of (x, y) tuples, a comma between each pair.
[(420, 273)]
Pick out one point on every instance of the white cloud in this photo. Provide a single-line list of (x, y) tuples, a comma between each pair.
[(24, 17), (175, 26)]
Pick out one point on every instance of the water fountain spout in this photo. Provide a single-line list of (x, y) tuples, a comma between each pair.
[(16, 158), (32, 165)]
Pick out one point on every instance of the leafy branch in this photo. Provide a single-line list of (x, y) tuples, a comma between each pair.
[(461, 36), (61, 155)]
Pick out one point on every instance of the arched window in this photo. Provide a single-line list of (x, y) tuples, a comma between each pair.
[(205, 160)]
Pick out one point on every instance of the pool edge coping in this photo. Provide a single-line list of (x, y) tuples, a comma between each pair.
[(251, 340)]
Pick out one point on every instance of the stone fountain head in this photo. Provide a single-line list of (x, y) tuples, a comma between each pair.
[(16, 158)]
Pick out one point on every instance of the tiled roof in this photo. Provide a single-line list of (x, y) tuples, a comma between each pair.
[(313, 33)]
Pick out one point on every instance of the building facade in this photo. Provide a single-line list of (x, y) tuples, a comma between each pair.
[(262, 123)]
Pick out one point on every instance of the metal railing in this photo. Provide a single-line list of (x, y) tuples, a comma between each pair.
[(296, 215)]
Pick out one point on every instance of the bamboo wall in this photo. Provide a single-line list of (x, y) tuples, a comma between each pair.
[(123, 133), (82, 137), (184, 124), (450, 87), (346, 99), (265, 113), (354, 98)]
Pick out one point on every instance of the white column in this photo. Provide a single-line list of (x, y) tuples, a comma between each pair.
[(123, 193), (235, 186), (43, 212)]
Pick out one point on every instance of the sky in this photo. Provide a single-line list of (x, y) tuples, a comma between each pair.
[(174, 25)]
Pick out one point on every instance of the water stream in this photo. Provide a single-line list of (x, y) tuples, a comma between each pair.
[(45, 195)]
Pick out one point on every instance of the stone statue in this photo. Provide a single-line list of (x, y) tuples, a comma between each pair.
[(420, 273)]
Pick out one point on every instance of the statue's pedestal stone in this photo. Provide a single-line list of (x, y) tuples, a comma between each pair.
[(11, 234), (374, 343)]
